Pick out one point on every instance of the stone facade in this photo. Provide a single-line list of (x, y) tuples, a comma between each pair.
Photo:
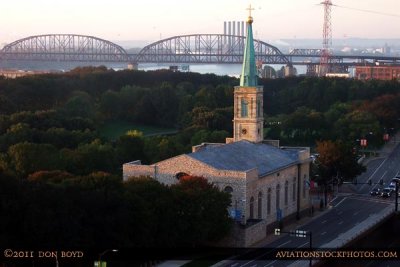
[(248, 114), (256, 198)]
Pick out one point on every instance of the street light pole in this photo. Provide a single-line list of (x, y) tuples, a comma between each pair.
[(104, 252), (297, 233), (310, 235), (397, 196)]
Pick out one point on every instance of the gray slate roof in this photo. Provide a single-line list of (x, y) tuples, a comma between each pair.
[(244, 155)]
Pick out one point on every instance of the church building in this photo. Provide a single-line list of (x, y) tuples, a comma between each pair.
[(268, 183)]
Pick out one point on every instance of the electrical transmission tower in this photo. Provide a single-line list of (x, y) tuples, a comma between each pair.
[(327, 39)]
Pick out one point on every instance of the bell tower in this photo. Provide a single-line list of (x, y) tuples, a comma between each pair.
[(248, 118)]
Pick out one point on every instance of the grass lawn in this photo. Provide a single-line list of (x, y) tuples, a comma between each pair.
[(114, 129)]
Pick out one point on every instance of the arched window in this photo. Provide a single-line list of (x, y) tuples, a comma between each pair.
[(179, 175), (252, 208), (278, 199), (244, 105), (294, 189), (228, 189), (258, 108), (286, 193), (269, 201), (259, 207)]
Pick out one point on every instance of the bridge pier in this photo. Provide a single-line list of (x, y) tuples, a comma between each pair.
[(311, 70), (132, 66)]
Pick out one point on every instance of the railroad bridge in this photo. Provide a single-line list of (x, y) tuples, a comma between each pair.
[(184, 49)]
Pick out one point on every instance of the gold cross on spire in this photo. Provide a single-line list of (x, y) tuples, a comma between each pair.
[(250, 18), (249, 9)]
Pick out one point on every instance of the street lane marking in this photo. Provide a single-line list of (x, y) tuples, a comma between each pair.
[(371, 199), (340, 222), (295, 263), (370, 177), (302, 245), (323, 233), (247, 263), (340, 202), (355, 213), (235, 264), (379, 179), (340, 212), (281, 245), (270, 263), (324, 221)]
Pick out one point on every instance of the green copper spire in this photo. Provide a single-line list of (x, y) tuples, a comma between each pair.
[(249, 70)]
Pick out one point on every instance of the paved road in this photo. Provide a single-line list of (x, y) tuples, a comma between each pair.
[(346, 213), (384, 168)]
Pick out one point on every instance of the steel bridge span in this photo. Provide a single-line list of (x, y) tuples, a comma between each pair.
[(185, 49), (207, 48), (64, 47)]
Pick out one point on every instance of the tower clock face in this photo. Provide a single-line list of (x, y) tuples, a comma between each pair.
[(244, 131)]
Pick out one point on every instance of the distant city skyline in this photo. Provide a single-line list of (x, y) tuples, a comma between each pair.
[(152, 20)]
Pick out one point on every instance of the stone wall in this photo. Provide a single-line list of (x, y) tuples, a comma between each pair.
[(255, 233), (271, 181), (244, 236), (167, 170), (246, 189), (249, 127), (135, 169)]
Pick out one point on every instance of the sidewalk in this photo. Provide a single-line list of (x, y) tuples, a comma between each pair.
[(291, 226)]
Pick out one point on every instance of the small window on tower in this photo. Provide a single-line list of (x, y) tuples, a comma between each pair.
[(244, 105)]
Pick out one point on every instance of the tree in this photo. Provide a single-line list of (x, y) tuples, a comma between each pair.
[(27, 158), (87, 158), (335, 161), (6, 106), (151, 214), (80, 104), (203, 210), (385, 108), (110, 105), (52, 177), (358, 124), (130, 147), (206, 97), (202, 136), (165, 103)]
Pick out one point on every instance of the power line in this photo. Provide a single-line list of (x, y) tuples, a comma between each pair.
[(368, 11)]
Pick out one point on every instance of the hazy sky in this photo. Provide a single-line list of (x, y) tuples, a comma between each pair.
[(151, 19)]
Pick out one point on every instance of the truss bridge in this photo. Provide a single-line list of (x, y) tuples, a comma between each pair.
[(184, 49)]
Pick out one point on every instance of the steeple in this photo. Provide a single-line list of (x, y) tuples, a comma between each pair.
[(248, 118), (249, 70)]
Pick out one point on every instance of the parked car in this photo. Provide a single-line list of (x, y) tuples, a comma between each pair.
[(386, 192), (394, 181), (392, 187), (375, 192)]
